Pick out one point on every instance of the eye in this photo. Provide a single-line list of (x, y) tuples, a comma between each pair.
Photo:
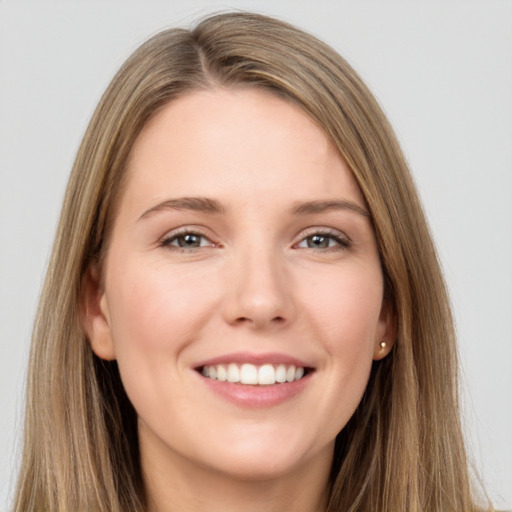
[(186, 240), (324, 240)]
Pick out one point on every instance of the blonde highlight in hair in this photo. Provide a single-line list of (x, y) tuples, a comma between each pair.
[(403, 448)]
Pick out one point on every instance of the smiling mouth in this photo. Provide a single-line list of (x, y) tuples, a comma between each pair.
[(254, 375)]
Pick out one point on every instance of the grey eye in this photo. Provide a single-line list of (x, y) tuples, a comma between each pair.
[(186, 241), (320, 241), (189, 240)]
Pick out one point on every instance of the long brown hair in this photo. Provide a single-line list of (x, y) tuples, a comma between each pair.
[(403, 448)]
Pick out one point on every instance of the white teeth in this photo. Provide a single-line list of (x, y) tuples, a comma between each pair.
[(248, 374), (290, 374), (281, 373), (233, 373), (264, 375), (222, 374)]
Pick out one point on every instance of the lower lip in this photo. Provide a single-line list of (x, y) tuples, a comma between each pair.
[(249, 396)]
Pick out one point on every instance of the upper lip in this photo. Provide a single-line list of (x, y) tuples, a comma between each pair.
[(255, 359)]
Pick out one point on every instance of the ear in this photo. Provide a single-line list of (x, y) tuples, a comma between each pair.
[(95, 315), (386, 331)]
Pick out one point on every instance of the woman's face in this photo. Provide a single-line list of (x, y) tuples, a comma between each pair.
[(242, 250)]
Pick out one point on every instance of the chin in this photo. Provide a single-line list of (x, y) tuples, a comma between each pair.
[(282, 456), (259, 468)]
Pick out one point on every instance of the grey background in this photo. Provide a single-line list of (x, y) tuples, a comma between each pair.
[(441, 69)]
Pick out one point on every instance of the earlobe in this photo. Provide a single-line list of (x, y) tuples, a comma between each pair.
[(95, 315), (382, 349), (387, 332)]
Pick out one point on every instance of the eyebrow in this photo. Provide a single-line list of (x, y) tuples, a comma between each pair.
[(207, 205), (197, 204), (304, 208)]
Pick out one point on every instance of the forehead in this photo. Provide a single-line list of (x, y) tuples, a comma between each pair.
[(216, 142)]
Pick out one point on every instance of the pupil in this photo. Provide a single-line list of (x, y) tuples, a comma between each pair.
[(188, 241), (318, 241)]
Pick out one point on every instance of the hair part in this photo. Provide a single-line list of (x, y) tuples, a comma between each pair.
[(403, 448)]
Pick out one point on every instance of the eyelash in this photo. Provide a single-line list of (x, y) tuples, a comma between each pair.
[(341, 242), (167, 241)]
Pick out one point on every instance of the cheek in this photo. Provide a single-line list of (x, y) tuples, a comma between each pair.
[(154, 315), (347, 307), (346, 318), (157, 309)]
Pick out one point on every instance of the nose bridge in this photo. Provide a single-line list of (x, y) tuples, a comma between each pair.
[(259, 293)]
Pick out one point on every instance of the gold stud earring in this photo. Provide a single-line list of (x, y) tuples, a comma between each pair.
[(382, 345)]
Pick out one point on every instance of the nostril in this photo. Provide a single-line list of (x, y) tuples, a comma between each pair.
[(258, 321)]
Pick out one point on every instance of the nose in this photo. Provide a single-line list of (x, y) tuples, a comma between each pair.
[(259, 291)]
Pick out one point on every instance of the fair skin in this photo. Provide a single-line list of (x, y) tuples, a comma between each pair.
[(241, 237)]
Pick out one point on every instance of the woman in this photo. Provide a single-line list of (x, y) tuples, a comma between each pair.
[(244, 307)]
